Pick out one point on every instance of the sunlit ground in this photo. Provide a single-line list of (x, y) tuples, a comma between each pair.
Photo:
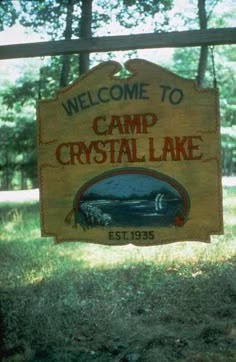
[(77, 301), (33, 195), (19, 196), (91, 255)]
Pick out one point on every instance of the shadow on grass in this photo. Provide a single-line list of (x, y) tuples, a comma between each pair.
[(55, 308), (135, 312)]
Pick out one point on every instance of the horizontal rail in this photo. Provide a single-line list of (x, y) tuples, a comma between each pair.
[(176, 39)]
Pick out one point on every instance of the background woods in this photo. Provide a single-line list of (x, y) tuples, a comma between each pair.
[(88, 302), (70, 19)]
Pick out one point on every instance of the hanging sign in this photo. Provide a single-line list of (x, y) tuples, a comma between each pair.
[(132, 159)]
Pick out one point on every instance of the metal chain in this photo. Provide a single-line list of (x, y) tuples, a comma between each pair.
[(213, 67)]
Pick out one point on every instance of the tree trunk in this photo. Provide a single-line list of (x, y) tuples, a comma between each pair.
[(85, 31), (68, 35), (202, 64)]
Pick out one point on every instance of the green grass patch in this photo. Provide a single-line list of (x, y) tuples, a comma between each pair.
[(85, 302)]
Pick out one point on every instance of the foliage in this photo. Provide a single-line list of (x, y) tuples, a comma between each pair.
[(184, 64), (8, 14), (18, 132), (67, 17), (18, 100), (134, 12), (128, 13), (18, 154), (35, 14)]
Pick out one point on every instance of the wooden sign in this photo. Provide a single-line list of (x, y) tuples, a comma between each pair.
[(130, 160)]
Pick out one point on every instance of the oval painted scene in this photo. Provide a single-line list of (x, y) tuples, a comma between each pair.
[(131, 197)]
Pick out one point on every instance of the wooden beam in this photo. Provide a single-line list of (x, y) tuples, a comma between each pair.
[(191, 38)]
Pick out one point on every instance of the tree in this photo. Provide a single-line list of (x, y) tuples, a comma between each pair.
[(64, 14), (192, 63), (85, 31), (67, 19), (202, 63), (8, 14), (18, 131), (44, 17), (56, 19), (68, 35)]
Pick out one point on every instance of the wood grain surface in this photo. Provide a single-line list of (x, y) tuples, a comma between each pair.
[(130, 160)]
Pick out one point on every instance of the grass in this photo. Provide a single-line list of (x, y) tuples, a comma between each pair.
[(82, 302)]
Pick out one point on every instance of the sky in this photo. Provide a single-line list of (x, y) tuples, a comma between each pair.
[(127, 185), (16, 35)]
